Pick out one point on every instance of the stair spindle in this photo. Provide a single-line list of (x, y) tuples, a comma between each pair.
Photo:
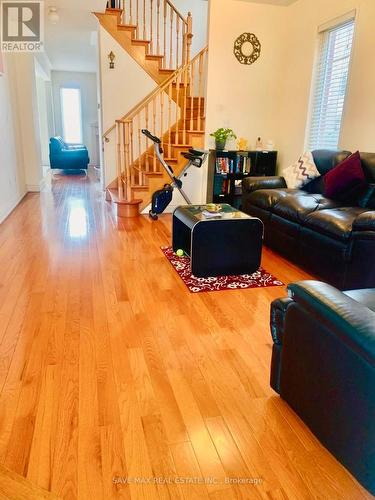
[(139, 142), (177, 41), (200, 91), (130, 12), (165, 35), (118, 162), (177, 141), (185, 80), (192, 95), (170, 89), (171, 39), (154, 131), (126, 172), (146, 120), (158, 28), (144, 19), (131, 142), (151, 26), (162, 119)]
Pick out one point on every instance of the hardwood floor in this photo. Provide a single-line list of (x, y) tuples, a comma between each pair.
[(110, 369)]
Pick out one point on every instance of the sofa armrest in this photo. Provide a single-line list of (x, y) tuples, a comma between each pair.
[(250, 184), (351, 321), (277, 320), (365, 221)]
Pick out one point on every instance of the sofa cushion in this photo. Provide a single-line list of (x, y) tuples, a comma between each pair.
[(315, 186), (366, 297), (367, 197), (368, 165), (326, 159), (267, 198), (297, 206), (346, 180), (336, 222)]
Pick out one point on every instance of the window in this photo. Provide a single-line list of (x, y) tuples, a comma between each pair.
[(330, 86), (71, 115)]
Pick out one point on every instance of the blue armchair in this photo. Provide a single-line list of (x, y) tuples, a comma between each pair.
[(67, 156)]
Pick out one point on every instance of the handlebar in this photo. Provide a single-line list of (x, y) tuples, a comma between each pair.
[(153, 138)]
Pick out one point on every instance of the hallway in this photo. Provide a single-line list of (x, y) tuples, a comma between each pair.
[(110, 369)]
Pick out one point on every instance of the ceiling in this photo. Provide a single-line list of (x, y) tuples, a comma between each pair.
[(71, 43)]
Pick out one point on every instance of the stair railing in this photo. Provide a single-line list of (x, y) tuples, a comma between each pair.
[(159, 22), (172, 111)]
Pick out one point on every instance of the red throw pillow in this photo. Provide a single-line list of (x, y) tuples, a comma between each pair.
[(346, 180)]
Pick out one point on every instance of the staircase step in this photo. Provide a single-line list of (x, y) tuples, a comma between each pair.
[(154, 57), (113, 11), (140, 188), (153, 174), (127, 27), (136, 41), (166, 71)]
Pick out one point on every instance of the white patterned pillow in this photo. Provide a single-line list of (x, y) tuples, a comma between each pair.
[(301, 172)]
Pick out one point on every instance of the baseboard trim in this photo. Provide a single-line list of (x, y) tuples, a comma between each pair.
[(8, 212), (33, 188)]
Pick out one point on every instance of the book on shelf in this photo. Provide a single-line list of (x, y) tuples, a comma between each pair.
[(241, 164)]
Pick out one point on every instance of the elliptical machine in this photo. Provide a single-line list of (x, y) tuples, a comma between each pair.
[(162, 197)]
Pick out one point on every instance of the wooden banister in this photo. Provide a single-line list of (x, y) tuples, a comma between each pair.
[(171, 111), (168, 32)]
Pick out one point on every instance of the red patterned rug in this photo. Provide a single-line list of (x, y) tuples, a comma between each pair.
[(259, 279)]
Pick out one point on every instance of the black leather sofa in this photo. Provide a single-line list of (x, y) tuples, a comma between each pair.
[(323, 366), (330, 239)]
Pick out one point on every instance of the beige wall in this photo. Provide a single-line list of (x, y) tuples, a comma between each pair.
[(271, 98), (245, 98), (25, 107), (358, 126), (12, 181)]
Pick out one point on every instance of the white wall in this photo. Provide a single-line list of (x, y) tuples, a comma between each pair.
[(88, 85), (12, 181)]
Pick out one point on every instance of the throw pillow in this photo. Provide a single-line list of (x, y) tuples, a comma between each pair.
[(346, 180), (301, 172)]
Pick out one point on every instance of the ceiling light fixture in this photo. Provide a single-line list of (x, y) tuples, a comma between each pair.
[(53, 15)]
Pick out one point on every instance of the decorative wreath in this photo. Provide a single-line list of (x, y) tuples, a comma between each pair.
[(238, 44)]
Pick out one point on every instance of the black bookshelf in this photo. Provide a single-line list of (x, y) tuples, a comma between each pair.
[(226, 169)]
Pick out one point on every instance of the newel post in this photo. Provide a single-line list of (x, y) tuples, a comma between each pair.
[(189, 37)]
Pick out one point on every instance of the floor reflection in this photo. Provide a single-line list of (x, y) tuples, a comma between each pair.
[(78, 227)]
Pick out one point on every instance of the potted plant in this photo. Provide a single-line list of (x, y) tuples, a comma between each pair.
[(221, 135)]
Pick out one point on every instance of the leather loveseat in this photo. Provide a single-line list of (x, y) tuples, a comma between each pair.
[(323, 366), (66, 156), (329, 238)]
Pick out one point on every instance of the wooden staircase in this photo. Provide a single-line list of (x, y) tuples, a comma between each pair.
[(159, 39)]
